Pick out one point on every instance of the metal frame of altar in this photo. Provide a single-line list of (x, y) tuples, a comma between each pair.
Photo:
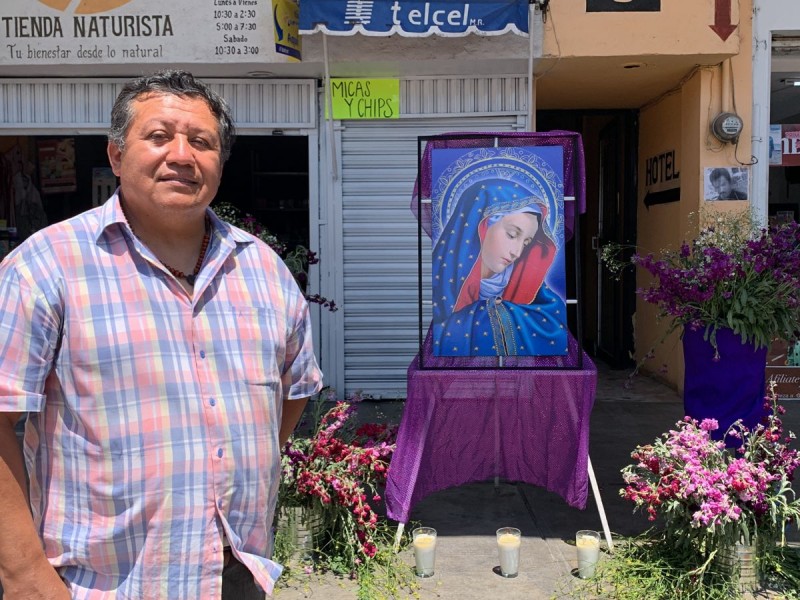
[(534, 409), (572, 223)]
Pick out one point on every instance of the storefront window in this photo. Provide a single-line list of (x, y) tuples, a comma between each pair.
[(784, 135), (46, 179)]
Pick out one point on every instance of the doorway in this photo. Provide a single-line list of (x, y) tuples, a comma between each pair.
[(606, 305), (45, 179), (268, 177)]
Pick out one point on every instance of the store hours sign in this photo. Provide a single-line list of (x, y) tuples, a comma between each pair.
[(47, 32)]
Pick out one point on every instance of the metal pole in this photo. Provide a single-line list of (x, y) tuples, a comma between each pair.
[(329, 111), (531, 81), (599, 501)]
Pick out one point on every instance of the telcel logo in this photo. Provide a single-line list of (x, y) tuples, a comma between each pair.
[(85, 7)]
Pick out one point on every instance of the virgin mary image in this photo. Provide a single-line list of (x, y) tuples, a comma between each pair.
[(490, 266)]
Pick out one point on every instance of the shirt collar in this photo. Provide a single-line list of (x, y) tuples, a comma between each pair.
[(111, 215)]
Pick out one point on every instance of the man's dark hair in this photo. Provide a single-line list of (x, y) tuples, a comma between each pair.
[(720, 172), (176, 83)]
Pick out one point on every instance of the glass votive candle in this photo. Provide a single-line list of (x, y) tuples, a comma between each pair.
[(424, 543), (588, 544), (508, 543)]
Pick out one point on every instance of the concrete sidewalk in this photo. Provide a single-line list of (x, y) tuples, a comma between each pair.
[(467, 517)]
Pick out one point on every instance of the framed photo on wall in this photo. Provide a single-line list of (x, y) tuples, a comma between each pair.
[(726, 183)]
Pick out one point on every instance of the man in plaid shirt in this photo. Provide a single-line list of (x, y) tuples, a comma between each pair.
[(162, 357)]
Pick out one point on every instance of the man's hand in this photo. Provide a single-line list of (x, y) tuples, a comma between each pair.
[(24, 570), (40, 583)]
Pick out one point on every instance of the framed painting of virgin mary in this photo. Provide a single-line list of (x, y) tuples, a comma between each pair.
[(497, 263)]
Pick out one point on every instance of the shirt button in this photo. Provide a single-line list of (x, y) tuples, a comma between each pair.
[(212, 402), (202, 353), (219, 452)]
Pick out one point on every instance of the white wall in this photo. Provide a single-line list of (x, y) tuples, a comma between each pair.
[(770, 17)]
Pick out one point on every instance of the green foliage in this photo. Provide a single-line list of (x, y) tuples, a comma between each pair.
[(652, 567), (385, 576), (284, 547), (707, 501), (733, 274), (335, 472)]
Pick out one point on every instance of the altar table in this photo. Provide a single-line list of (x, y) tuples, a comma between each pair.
[(462, 425)]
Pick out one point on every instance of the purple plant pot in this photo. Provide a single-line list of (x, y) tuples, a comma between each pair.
[(728, 388)]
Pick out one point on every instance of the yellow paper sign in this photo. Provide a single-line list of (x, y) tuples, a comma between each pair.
[(365, 98)]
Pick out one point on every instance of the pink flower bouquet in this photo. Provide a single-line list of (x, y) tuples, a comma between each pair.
[(709, 498), (338, 473)]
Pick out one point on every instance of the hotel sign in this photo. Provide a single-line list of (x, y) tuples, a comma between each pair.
[(47, 32), (662, 179)]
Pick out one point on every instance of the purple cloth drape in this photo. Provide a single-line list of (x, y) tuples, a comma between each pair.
[(727, 388), (468, 419), (574, 166), (466, 425)]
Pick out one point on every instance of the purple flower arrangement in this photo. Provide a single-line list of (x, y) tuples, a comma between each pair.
[(734, 274), (709, 497)]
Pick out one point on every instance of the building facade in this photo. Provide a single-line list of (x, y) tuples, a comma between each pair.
[(642, 81)]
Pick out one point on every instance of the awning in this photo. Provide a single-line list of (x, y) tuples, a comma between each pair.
[(450, 18)]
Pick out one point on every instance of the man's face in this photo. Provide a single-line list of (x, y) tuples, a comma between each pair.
[(171, 160), (723, 187)]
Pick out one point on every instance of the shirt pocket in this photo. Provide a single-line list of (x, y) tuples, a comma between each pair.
[(259, 333)]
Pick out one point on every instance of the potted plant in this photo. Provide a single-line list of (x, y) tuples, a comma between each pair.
[(715, 504), (731, 290), (333, 474)]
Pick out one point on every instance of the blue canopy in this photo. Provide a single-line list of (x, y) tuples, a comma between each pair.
[(414, 19)]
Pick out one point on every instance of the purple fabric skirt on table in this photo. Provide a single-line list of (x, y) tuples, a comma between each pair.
[(467, 425)]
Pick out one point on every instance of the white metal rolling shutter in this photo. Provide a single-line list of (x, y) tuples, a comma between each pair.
[(380, 303), (31, 106)]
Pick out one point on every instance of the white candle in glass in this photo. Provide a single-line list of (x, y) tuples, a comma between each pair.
[(424, 543), (588, 545), (508, 544)]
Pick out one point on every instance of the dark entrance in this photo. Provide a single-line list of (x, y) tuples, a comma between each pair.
[(266, 176), (607, 304)]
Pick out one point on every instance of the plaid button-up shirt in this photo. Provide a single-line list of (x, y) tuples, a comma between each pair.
[(153, 417)]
